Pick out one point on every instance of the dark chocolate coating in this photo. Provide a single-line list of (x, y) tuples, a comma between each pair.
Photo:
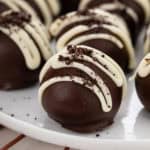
[(134, 27), (76, 107), (69, 5), (14, 73), (143, 87)]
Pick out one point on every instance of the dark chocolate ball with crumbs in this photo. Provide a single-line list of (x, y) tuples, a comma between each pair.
[(142, 82), (82, 88), (24, 47), (97, 29), (69, 5)]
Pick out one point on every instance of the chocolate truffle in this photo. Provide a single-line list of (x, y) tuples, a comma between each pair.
[(97, 29), (43, 9), (147, 40), (142, 82), (69, 5), (134, 12), (24, 47), (82, 88)]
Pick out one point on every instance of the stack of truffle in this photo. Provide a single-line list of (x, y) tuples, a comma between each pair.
[(82, 86), (90, 45)]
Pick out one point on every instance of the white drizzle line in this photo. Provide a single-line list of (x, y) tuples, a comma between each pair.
[(79, 81), (100, 36), (45, 11), (62, 41), (40, 42), (55, 6), (118, 5), (144, 67)]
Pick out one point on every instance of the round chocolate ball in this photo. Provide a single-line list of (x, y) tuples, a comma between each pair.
[(24, 48), (82, 88), (97, 29), (142, 82), (134, 12), (45, 10), (69, 5)]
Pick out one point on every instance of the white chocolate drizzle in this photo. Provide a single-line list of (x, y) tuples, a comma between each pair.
[(100, 89), (115, 25)]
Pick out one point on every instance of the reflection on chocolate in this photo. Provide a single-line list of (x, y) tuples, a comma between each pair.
[(22, 50), (82, 88)]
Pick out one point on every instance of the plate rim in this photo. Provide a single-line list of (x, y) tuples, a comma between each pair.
[(74, 141)]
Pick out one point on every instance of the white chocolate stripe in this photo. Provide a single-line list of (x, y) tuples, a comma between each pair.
[(105, 107), (41, 30), (62, 41), (60, 44), (39, 41), (99, 36), (45, 11), (55, 6), (117, 79), (115, 6)]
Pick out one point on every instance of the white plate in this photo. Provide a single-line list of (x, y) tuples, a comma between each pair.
[(20, 111)]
